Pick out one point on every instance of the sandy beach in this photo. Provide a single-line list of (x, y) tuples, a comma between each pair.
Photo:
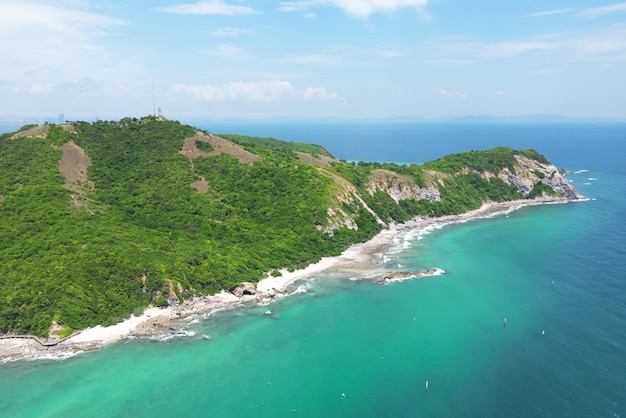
[(156, 322)]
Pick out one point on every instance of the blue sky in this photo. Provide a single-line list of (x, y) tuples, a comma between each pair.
[(255, 59)]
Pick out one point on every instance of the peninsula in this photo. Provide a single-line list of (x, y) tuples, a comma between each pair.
[(127, 221)]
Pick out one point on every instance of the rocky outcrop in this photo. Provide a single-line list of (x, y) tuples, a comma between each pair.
[(245, 288), (401, 187), (522, 184), (398, 276), (74, 165), (528, 172), (523, 174), (220, 146), (41, 131)]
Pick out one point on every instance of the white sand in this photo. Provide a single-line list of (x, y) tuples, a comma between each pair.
[(358, 255), (353, 256), (115, 332)]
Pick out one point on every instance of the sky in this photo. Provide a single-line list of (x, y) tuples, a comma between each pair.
[(337, 59)]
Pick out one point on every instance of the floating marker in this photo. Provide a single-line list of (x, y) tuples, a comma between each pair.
[(426, 388), (505, 322), (543, 332)]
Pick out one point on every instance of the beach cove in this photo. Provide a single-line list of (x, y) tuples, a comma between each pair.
[(360, 260)]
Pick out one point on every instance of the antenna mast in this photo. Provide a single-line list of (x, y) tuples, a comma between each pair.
[(153, 102)]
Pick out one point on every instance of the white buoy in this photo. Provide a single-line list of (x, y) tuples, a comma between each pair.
[(426, 388), (505, 322)]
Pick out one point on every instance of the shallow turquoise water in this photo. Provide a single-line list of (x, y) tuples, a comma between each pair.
[(355, 349)]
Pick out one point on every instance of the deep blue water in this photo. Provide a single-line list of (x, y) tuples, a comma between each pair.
[(354, 349)]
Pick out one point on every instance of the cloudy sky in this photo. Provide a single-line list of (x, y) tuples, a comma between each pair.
[(312, 58)]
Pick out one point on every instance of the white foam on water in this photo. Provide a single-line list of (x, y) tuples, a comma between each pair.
[(436, 272), (303, 288), (177, 334)]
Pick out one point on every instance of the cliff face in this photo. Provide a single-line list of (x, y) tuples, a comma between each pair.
[(402, 187), (529, 172), (523, 176)]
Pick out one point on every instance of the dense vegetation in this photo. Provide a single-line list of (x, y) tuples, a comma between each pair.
[(492, 160), (144, 234), (267, 145)]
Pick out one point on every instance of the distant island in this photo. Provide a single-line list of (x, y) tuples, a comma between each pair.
[(101, 220)]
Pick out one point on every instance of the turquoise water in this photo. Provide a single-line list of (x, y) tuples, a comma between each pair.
[(352, 348)]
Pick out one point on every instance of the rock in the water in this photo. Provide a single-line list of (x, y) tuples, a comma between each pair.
[(404, 275)]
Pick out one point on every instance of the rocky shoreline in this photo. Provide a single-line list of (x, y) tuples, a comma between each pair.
[(159, 323), (400, 276)]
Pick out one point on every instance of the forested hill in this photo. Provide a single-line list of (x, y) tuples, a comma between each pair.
[(99, 220)]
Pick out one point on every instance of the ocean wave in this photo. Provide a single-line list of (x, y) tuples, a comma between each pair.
[(592, 178), (303, 288), (578, 172), (167, 337), (435, 272), (51, 356), (421, 233), (400, 243)]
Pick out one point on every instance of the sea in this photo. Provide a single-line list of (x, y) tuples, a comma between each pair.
[(528, 321)]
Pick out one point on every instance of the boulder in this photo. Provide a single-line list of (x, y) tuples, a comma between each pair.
[(245, 288), (404, 275)]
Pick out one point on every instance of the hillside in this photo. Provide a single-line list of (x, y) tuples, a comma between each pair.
[(98, 221)]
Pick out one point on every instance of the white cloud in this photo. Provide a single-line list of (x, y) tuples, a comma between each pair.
[(311, 59), (590, 13), (356, 8), (605, 44), (549, 13), (393, 53), (229, 32), (514, 48), (263, 91), (228, 52), (214, 7), (20, 15), (604, 10), (40, 88), (455, 94), (544, 71), (51, 44)]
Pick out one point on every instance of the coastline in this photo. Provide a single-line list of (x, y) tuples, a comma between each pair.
[(167, 322)]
